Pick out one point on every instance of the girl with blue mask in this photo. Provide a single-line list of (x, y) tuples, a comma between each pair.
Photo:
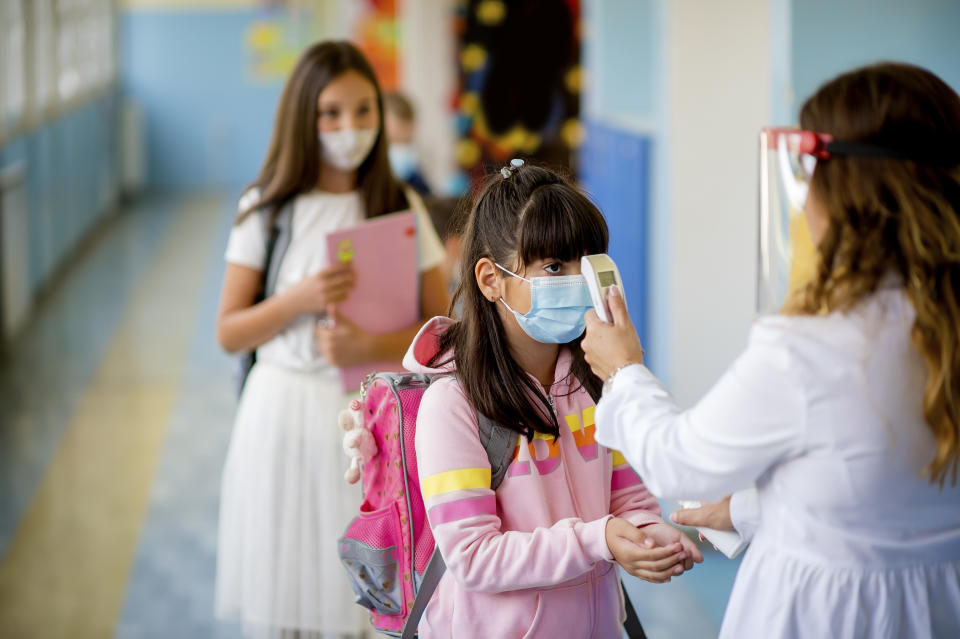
[(513, 355), (557, 306)]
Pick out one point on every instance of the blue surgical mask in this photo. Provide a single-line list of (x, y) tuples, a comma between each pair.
[(403, 160), (557, 308)]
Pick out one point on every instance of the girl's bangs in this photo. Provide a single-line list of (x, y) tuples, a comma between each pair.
[(562, 224)]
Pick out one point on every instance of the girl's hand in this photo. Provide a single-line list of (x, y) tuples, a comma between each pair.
[(342, 343), (665, 534), (314, 293), (640, 554), (608, 347), (716, 516)]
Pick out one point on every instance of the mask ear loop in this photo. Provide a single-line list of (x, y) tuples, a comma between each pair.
[(512, 273), (503, 301)]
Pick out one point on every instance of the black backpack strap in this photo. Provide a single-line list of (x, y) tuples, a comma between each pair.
[(632, 623), (278, 229), (499, 442)]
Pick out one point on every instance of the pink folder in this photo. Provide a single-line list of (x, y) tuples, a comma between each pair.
[(386, 297)]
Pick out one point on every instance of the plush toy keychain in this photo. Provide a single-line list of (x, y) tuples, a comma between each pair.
[(358, 442)]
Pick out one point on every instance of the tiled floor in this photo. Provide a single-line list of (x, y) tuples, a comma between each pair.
[(115, 413)]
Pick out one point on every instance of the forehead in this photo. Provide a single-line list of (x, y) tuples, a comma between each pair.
[(347, 87)]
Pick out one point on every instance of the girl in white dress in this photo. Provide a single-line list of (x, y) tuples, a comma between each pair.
[(284, 503), (844, 410)]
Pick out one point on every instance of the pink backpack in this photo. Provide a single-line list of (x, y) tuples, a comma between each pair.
[(388, 549)]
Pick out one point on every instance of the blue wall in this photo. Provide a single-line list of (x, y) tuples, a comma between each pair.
[(626, 49), (207, 123), (830, 37), (622, 56), (615, 171), (72, 180)]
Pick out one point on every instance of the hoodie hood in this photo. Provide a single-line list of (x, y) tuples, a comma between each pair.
[(425, 345)]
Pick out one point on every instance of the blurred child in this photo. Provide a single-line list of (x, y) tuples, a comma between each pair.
[(400, 120), (448, 216), (536, 557), (284, 504)]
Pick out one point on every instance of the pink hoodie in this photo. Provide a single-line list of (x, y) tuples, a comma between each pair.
[(531, 559)]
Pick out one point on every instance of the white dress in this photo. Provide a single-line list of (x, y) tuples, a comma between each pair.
[(824, 415), (284, 502)]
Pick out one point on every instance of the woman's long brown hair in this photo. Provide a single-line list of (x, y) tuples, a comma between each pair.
[(896, 215), (292, 165), (533, 214)]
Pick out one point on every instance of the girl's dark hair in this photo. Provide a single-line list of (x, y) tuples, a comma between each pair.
[(896, 215), (292, 165), (533, 214)]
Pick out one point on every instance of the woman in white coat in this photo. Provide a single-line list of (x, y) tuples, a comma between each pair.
[(844, 409)]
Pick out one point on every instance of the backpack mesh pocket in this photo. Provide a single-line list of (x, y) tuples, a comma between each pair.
[(368, 551)]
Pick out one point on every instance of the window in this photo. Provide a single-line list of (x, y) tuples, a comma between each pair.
[(84, 46), (13, 90), (44, 66), (51, 53)]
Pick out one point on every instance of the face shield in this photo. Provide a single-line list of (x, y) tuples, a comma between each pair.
[(788, 158), (787, 255)]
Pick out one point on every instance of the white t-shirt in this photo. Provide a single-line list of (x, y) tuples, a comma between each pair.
[(315, 214)]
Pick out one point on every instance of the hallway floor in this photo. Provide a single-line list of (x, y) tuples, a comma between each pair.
[(115, 413)]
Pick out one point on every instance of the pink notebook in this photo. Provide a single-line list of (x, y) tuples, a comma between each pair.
[(387, 293)]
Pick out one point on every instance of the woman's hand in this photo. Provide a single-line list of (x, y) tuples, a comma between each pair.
[(638, 551), (342, 343), (608, 347), (314, 293), (716, 516)]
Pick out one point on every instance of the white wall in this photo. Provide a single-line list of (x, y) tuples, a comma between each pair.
[(716, 95), (701, 77), (429, 77)]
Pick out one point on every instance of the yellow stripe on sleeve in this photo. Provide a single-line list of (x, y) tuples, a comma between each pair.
[(618, 459), (573, 421), (462, 479)]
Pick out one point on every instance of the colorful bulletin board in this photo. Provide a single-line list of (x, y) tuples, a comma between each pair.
[(282, 29), (519, 83)]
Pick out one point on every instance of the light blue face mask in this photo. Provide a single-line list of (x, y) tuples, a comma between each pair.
[(403, 160), (557, 308)]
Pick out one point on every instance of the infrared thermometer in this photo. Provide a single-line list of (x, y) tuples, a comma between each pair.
[(601, 274), (729, 542)]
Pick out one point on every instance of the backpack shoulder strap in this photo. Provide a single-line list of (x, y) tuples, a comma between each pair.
[(499, 442), (429, 583), (279, 232)]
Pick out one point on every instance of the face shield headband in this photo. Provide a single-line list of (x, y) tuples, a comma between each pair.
[(798, 152)]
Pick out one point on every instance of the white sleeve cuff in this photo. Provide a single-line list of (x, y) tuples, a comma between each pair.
[(745, 512)]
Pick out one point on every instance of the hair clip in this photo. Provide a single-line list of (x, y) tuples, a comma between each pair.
[(508, 170)]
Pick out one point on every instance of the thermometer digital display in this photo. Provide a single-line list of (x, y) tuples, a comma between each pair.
[(601, 274)]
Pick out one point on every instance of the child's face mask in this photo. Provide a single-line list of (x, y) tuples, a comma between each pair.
[(403, 160), (557, 307), (346, 149)]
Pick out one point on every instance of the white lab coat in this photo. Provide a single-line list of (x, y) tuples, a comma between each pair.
[(824, 415)]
